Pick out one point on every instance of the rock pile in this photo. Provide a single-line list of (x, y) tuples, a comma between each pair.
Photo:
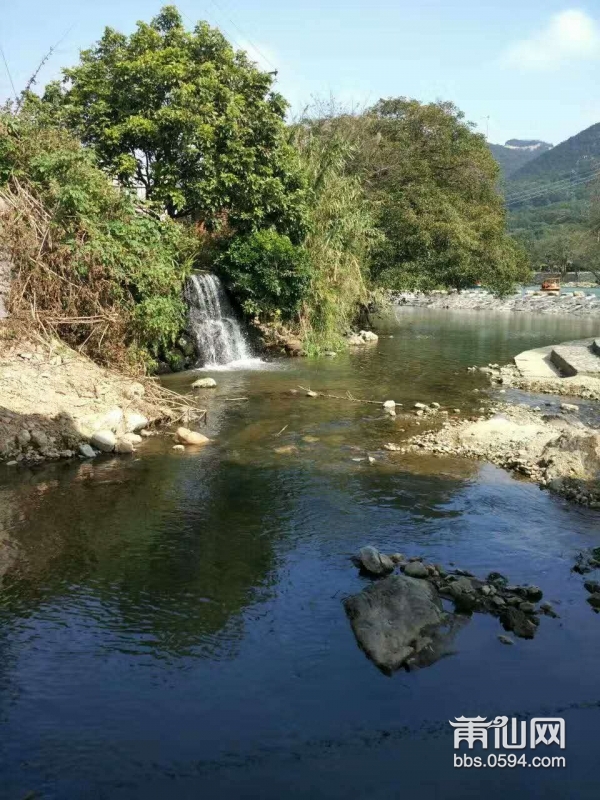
[(362, 337), (399, 620)]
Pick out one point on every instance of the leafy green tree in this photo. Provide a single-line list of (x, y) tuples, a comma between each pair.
[(194, 122), (341, 233), (432, 181)]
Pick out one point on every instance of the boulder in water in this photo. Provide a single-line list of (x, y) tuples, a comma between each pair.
[(104, 440), (390, 407), (186, 436), (370, 560), (204, 383), (392, 620)]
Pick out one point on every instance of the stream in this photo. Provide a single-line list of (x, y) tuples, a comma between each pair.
[(171, 623)]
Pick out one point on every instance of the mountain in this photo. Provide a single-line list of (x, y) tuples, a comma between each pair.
[(548, 198), (515, 153), (563, 172)]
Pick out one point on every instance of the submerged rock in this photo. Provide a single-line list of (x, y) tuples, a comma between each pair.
[(204, 383), (392, 618)]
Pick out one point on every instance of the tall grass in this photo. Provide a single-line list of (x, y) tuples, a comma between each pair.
[(341, 234)]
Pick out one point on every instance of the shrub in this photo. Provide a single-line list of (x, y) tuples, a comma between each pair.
[(105, 273), (268, 275)]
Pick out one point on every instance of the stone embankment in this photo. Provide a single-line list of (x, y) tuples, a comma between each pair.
[(575, 303), (55, 403)]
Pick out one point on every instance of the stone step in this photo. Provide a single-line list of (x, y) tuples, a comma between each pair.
[(536, 364), (576, 358)]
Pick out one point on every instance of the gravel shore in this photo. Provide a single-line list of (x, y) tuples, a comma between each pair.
[(576, 302)]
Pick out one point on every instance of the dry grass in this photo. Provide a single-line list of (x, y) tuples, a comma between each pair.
[(46, 295)]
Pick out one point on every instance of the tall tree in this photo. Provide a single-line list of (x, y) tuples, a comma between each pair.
[(433, 183), (196, 123)]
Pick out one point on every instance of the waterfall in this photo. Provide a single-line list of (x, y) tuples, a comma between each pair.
[(217, 333)]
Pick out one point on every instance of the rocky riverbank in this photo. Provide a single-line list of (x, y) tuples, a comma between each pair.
[(575, 303), (553, 449), (55, 403)]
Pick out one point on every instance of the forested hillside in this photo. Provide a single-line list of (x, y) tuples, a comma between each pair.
[(515, 153), (551, 202)]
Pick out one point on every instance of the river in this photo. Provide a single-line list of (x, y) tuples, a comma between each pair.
[(171, 624)]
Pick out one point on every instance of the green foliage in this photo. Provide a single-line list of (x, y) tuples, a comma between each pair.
[(341, 233), (191, 120), (434, 182), (87, 251), (267, 274)]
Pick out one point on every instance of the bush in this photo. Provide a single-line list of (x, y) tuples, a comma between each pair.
[(106, 273), (267, 274)]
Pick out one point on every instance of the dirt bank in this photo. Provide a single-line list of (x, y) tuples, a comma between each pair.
[(54, 403), (547, 448)]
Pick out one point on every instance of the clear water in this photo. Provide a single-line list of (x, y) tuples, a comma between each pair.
[(171, 624)]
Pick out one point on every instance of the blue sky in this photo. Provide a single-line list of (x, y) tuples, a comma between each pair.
[(527, 69)]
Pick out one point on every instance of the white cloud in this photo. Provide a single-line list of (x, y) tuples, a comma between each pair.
[(569, 36)]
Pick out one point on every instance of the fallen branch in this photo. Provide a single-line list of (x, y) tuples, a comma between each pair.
[(348, 396), (281, 431)]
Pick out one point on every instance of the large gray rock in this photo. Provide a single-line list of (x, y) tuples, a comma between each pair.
[(370, 560), (392, 620)]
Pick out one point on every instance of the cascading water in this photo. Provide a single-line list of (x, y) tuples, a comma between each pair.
[(217, 333)]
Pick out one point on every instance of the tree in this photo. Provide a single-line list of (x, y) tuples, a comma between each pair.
[(194, 122), (433, 183)]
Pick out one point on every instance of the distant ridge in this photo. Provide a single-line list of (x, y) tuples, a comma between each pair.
[(516, 153), (573, 159)]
